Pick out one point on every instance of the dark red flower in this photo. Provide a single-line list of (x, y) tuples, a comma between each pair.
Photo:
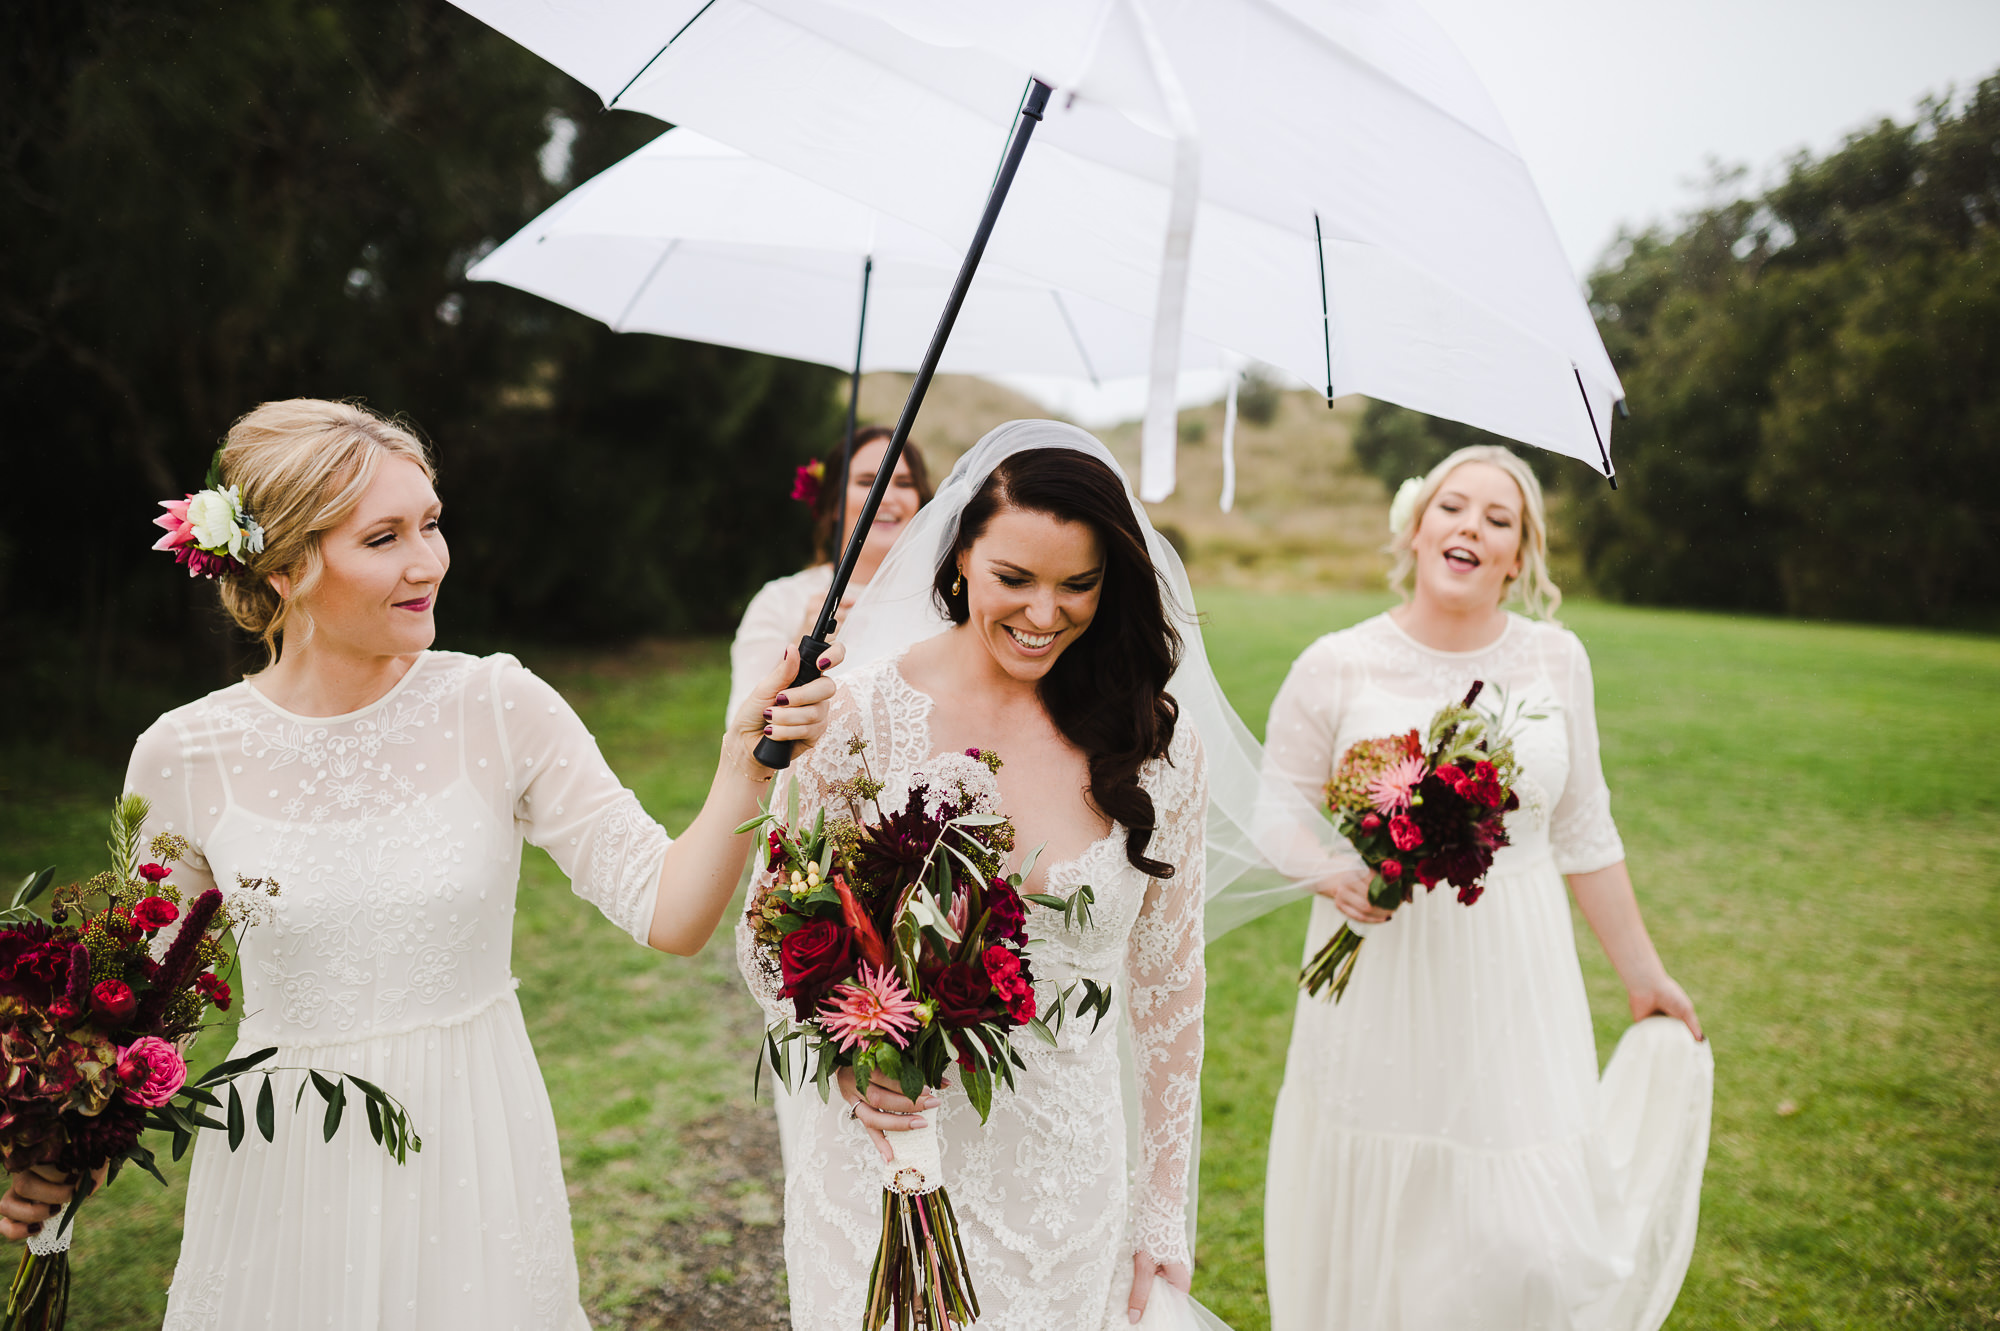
[(1370, 821), (776, 854), (961, 995), (1391, 869), (806, 481), (1404, 832), (214, 988), (113, 1000), (153, 873), (1004, 969), (813, 958), (155, 913), (63, 1010), (1009, 918), (1022, 1005)]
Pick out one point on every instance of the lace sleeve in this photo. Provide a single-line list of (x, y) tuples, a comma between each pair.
[(567, 801), (812, 776), (163, 771), (1299, 755), (1582, 835), (1167, 984)]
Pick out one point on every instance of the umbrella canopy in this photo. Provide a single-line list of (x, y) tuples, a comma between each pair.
[(688, 238), (1322, 184)]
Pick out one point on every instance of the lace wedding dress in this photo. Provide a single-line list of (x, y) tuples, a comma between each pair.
[(1444, 1156), (1046, 1212), (395, 834)]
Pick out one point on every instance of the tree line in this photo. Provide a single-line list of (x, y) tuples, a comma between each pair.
[(1814, 379), (211, 205)]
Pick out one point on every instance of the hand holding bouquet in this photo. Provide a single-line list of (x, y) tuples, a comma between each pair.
[(1429, 810), (98, 1007), (902, 950)]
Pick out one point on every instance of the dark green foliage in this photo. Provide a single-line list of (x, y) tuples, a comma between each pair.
[(1259, 390), (1394, 443), (207, 206), (1815, 379)]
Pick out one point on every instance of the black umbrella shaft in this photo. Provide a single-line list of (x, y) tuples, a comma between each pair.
[(853, 396), (772, 753)]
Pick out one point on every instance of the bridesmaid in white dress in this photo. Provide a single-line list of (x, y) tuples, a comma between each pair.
[(1444, 1156), (388, 789), (1055, 650), (784, 608)]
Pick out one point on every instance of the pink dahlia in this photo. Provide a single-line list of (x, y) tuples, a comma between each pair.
[(1390, 791), (874, 1005)]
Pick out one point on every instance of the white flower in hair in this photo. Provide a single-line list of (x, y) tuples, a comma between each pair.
[(1404, 506), (215, 515)]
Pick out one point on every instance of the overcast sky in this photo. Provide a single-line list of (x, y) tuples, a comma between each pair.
[(1618, 106)]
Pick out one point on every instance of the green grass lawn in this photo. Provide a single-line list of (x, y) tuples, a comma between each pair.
[(1815, 841)]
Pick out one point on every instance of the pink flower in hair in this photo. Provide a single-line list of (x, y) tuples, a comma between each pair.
[(180, 531)]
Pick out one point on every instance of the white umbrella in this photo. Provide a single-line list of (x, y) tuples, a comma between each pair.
[(689, 238), (1325, 186)]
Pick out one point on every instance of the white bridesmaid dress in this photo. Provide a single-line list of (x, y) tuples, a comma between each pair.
[(1444, 1155), (395, 833)]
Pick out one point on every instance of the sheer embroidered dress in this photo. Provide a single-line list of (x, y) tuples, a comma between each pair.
[(1444, 1156), (395, 833), (1041, 1191)]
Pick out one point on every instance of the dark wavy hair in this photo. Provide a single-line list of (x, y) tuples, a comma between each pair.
[(1107, 692), (826, 508)]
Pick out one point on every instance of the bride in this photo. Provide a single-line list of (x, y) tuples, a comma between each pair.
[(387, 788), (1031, 610)]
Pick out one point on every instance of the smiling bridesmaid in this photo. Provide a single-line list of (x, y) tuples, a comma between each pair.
[(1444, 1155), (388, 789)]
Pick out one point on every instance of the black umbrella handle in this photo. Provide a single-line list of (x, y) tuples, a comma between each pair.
[(777, 755)]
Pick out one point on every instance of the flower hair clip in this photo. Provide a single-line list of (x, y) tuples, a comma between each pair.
[(1404, 506), (806, 481), (210, 531)]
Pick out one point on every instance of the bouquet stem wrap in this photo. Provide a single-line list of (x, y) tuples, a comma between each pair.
[(919, 1280), (38, 1298)]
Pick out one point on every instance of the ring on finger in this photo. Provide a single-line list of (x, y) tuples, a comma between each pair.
[(854, 1110)]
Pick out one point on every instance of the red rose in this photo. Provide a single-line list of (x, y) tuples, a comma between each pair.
[(814, 958), (62, 1010), (1370, 821), (1485, 771), (155, 913), (1022, 1005), (1452, 776), (113, 1000), (1009, 916), (1391, 870), (962, 996), (153, 873), (214, 988), (1404, 831)]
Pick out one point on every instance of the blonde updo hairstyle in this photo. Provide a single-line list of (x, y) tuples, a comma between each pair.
[(302, 465), (1536, 590)]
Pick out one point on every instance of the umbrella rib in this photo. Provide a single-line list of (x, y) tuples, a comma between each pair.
[(1326, 309), (656, 55), (640, 290), (1601, 451), (1082, 353), (853, 396)]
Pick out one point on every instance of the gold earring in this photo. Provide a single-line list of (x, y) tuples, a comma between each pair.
[(958, 584)]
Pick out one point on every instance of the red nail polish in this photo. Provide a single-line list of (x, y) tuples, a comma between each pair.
[(823, 660), (767, 730), (783, 701), (767, 714)]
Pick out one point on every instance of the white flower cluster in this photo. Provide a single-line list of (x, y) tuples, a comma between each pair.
[(1404, 506), (965, 783), (220, 523), (248, 907)]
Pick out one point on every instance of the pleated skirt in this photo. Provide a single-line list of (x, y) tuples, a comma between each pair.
[(1444, 1155), (471, 1234)]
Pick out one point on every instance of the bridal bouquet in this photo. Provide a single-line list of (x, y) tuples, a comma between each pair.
[(903, 949), (1424, 810), (99, 1004)]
